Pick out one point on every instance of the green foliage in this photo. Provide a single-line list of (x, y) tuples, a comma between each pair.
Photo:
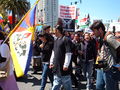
[(17, 7)]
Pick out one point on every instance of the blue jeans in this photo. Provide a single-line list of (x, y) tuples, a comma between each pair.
[(88, 71), (46, 72), (62, 80), (105, 78)]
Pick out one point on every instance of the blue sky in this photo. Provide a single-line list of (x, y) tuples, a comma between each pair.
[(97, 9)]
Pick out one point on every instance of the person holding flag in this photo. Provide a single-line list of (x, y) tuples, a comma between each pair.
[(9, 83), (21, 38)]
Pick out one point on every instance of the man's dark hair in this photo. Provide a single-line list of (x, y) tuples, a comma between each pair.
[(46, 27), (97, 25), (59, 28), (46, 36)]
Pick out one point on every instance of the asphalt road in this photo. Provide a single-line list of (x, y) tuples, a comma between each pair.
[(32, 82)]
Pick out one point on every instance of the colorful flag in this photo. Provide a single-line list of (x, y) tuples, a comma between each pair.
[(21, 42), (1, 18), (84, 23)]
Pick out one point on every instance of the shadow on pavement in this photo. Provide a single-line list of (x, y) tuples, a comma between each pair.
[(29, 79)]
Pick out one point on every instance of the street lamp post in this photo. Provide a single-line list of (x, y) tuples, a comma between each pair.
[(76, 2)]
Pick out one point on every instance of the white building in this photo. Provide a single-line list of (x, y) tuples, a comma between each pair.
[(47, 12)]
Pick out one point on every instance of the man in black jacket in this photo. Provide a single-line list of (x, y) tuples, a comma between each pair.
[(88, 62), (46, 49)]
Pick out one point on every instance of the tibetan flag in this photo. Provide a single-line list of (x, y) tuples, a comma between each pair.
[(21, 42)]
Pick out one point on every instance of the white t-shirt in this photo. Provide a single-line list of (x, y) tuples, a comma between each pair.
[(5, 52)]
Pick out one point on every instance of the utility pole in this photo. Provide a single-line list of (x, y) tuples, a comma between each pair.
[(75, 3), (52, 13)]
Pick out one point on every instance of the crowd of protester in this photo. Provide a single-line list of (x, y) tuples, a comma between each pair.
[(66, 58), (85, 52)]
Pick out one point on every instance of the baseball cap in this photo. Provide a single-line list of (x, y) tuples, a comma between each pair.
[(46, 27)]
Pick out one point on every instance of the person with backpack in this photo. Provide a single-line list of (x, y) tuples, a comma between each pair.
[(108, 46)]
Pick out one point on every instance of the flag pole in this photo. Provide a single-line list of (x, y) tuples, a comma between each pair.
[(20, 22)]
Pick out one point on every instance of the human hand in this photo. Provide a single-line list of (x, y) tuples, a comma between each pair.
[(80, 52), (51, 66), (41, 45), (65, 68), (118, 68)]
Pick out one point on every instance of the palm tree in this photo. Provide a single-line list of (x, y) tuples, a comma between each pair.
[(17, 7), (23, 7), (3, 12)]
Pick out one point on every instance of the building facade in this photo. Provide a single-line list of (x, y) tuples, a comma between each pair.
[(47, 12)]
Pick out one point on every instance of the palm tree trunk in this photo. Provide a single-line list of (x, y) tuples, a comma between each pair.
[(13, 19)]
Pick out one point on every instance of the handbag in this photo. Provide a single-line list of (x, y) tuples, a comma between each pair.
[(4, 71)]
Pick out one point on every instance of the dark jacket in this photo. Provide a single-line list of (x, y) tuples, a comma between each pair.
[(90, 51), (36, 48), (47, 51)]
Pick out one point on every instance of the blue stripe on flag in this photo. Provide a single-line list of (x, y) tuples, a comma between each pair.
[(29, 59), (24, 25), (32, 16)]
